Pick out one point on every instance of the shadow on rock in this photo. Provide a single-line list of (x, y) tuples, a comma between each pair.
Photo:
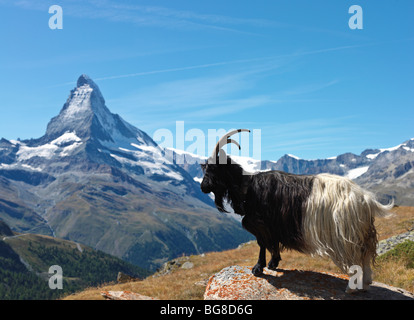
[(237, 282)]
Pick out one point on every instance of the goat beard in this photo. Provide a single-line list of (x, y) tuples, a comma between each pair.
[(220, 195)]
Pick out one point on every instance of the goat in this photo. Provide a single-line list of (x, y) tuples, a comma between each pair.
[(322, 214)]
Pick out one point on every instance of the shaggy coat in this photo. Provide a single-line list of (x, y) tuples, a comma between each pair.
[(324, 214)]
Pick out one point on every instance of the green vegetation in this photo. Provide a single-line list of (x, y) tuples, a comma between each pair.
[(17, 282), (82, 267), (403, 252)]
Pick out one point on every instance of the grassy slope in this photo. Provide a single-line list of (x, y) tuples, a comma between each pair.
[(181, 283), (82, 266)]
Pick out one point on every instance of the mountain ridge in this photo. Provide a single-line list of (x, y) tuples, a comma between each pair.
[(378, 170)]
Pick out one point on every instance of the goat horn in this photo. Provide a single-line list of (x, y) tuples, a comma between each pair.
[(225, 140), (235, 142)]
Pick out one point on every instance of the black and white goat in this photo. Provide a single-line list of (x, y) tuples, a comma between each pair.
[(321, 214)]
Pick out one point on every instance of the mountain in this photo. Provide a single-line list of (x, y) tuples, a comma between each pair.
[(388, 172), (25, 260), (391, 173), (93, 178)]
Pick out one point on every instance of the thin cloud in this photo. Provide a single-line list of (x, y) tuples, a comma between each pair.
[(223, 63), (201, 66), (309, 88), (177, 69), (147, 16)]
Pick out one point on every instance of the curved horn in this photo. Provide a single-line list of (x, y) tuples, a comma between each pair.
[(225, 140), (235, 142)]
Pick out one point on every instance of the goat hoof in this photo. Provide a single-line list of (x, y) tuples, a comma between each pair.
[(257, 270), (366, 287), (348, 290), (273, 265)]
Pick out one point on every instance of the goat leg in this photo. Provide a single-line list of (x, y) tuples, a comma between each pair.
[(274, 261), (261, 262)]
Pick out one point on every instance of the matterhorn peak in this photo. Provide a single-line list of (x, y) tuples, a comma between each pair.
[(85, 79), (86, 115)]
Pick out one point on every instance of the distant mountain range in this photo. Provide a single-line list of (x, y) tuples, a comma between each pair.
[(95, 179), (389, 172)]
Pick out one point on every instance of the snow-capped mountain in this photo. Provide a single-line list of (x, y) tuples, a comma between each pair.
[(86, 116), (96, 179), (391, 173), (388, 172)]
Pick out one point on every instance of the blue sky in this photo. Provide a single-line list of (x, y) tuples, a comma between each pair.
[(293, 69)]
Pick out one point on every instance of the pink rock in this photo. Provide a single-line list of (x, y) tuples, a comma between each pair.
[(238, 283)]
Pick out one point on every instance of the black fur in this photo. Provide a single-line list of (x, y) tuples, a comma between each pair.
[(272, 205)]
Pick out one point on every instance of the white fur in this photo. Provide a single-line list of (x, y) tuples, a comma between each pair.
[(339, 223)]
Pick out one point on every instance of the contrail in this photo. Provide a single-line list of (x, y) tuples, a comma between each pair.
[(179, 69), (202, 66), (208, 65)]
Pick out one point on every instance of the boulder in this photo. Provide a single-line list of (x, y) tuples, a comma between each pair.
[(122, 278), (187, 265), (124, 295), (238, 283), (173, 265)]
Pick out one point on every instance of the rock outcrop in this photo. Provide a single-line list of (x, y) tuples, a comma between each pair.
[(124, 295), (238, 283), (123, 278), (390, 243)]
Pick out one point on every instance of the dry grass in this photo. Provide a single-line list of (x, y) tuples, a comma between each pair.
[(401, 221), (181, 283), (394, 272)]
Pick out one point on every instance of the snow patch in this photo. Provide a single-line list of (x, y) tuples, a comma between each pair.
[(293, 156), (402, 145), (147, 148), (392, 148), (51, 149), (19, 166), (372, 156), (199, 180), (355, 173), (14, 142), (182, 152), (150, 167), (79, 103), (248, 164), (66, 138), (408, 149)]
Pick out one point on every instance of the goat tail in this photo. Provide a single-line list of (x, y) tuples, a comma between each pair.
[(339, 221), (378, 209)]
